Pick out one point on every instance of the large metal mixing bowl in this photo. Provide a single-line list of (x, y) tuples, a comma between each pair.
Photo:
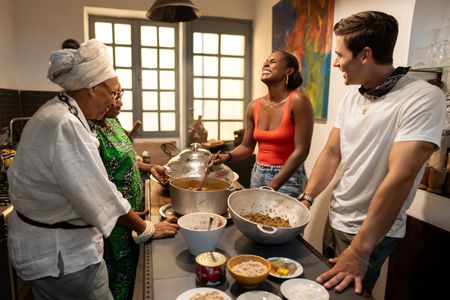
[(273, 204)]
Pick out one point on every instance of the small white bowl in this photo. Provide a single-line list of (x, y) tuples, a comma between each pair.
[(194, 228), (258, 295)]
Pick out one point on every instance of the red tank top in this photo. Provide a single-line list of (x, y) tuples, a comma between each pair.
[(274, 146)]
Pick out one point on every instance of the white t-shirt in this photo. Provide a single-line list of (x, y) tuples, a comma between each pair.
[(58, 175), (413, 110)]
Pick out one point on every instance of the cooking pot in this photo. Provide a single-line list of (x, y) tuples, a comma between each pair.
[(272, 204), (212, 198)]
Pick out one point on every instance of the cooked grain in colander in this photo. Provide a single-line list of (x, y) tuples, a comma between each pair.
[(267, 220)]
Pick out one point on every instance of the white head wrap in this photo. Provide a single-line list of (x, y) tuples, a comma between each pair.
[(85, 67)]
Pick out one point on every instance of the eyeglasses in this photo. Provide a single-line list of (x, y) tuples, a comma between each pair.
[(117, 95)]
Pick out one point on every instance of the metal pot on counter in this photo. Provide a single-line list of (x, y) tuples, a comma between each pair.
[(212, 198), (272, 204)]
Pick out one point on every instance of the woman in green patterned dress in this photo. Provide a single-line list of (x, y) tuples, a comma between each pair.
[(121, 253)]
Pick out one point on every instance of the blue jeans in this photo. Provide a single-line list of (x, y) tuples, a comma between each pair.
[(263, 174)]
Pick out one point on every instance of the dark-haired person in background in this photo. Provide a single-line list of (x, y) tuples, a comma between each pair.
[(70, 44), (385, 131), (281, 123)]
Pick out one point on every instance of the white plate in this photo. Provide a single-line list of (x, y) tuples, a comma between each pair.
[(167, 211), (258, 295), (297, 272), (299, 289), (190, 293)]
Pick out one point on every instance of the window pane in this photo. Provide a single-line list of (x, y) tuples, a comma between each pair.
[(166, 37), (123, 56), (198, 42), (126, 119), (168, 121), (103, 32), (232, 44), (167, 100), (210, 88), (124, 76), (149, 79), (231, 89), (150, 100), (211, 66), (212, 128), (149, 58), (210, 43), (127, 100), (150, 121), (122, 34), (231, 110), (198, 65), (166, 58), (198, 88), (148, 36), (205, 66), (231, 67), (227, 130), (211, 109), (198, 109), (167, 80)]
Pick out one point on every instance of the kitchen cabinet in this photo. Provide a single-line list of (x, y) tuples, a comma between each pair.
[(6, 284), (418, 267)]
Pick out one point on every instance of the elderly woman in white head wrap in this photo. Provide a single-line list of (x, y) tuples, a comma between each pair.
[(58, 185)]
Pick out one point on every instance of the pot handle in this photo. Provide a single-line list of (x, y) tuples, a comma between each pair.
[(233, 189), (262, 228), (266, 187)]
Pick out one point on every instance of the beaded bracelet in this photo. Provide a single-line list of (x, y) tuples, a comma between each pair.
[(146, 235)]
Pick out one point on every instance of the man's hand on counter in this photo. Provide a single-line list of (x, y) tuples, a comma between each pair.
[(349, 267)]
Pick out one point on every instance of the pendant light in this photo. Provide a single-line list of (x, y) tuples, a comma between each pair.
[(173, 11)]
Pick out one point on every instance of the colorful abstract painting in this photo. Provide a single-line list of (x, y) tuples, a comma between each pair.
[(305, 28)]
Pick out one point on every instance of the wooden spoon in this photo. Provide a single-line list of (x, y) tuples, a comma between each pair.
[(207, 171)]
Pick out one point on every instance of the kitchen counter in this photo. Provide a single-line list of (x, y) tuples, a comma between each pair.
[(167, 268), (431, 208)]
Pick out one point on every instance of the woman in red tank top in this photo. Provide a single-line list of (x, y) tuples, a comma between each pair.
[(281, 124)]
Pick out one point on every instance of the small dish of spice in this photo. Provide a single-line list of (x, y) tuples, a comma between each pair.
[(283, 267)]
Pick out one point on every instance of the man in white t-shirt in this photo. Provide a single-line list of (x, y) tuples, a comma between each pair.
[(385, 131)]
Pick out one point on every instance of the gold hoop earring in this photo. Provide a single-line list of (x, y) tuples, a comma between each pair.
[(287, 79)]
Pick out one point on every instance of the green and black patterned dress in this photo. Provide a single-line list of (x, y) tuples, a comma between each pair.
[(121, 252)]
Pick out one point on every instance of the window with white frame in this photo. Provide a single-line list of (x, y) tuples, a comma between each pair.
[(218, 77), (144, 54), (219, 51)]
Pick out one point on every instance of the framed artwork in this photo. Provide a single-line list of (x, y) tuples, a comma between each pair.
[(305, 29)]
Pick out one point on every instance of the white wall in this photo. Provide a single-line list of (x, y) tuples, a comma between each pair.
[(7, 49), (428, 17), (42, 25)]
